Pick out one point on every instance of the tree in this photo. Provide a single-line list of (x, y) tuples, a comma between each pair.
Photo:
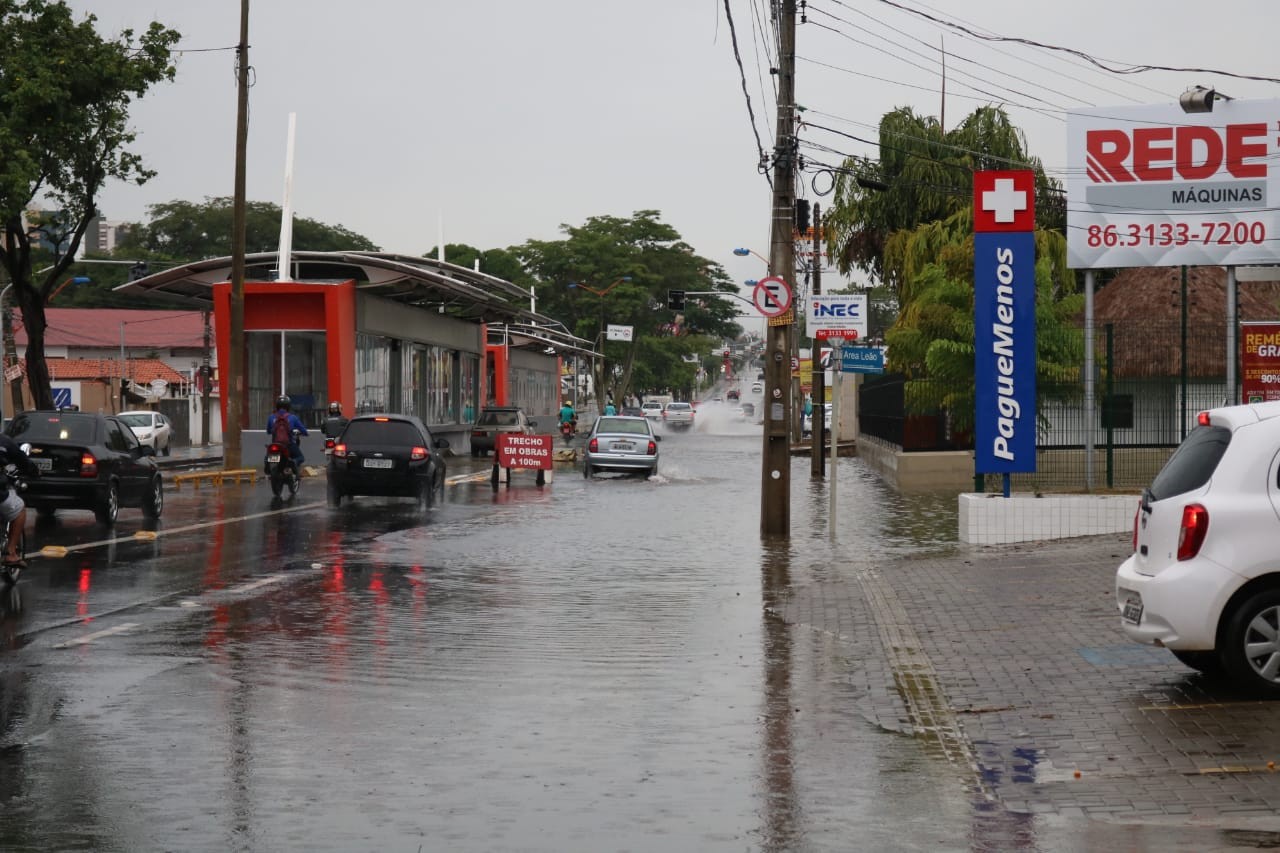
[(185, 231), (500, 263), (64, 106), (622, 270)]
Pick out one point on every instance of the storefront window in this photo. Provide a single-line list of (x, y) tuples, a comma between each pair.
[(469, 386)]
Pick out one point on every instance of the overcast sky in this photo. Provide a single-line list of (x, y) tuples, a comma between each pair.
[(510, 117)]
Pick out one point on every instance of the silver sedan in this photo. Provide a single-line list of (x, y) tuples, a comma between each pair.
[(621, 444)]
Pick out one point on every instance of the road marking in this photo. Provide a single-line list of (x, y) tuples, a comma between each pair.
[(252, 585), (97, 635), (467, 478)]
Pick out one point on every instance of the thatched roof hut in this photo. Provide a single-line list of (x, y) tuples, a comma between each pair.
[(1144, 306)]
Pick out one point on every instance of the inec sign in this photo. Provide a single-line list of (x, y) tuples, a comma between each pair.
[(837, 316), (1004, 304), (1154, 186)]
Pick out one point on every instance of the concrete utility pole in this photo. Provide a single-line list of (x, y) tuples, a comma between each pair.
[(206, 379), (775, 475), (817, 421), (233, 385)]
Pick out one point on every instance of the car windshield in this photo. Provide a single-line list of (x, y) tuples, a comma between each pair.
[(651, 405), (498, 419), (136, 420), (51, 426), (1193, 463), (397, 433), (627, 425)]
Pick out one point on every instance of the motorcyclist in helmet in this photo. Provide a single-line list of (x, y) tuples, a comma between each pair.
[(335, 423), (283, 404), (12, 508)]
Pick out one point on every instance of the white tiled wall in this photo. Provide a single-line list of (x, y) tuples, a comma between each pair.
[(987, 519)]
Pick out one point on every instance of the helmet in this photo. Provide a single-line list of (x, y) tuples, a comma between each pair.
[(283, 402), (335, 408)]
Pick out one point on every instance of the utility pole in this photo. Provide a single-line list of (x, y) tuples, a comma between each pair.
[(233, 385), (775, 475), (206, 379), (818, 420)]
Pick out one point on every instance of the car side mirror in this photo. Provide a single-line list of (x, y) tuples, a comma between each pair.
[(657, 437), (442, 444), (146, 450), (533, 423)]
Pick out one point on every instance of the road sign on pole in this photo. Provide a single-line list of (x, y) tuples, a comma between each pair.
[(772, 296)]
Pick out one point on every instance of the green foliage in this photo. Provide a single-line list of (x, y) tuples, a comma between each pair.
[(185, 231), (622, 270), (65, 94), (500, 263)]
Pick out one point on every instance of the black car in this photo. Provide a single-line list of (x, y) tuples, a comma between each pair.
[(87, 461), (387, 455)]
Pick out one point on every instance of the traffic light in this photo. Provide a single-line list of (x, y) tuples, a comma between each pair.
[(675, 300), (802, 215)]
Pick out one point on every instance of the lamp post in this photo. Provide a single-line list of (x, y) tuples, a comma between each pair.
[(599, 371)]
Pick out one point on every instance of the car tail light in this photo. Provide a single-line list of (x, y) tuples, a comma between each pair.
[(653, 447), (593, 446), (417, 454), (1195, 524), (1137, 513), (477, 433), (1203, 419), (88, 465), (340, 450)]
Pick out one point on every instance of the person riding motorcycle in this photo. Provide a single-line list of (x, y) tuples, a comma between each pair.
[(12, 507), (568, 419), (283, 404), (335, 423)]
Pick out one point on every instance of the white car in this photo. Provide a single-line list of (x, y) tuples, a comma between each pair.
[(1204, 577), (152, 429), (757, 388), (652, 409), (806, 421)]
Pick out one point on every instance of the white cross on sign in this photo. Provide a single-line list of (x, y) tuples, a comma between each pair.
[(1004, 200)]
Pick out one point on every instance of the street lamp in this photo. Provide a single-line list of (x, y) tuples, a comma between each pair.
[(742, 253), (600, 372), (575, 284)]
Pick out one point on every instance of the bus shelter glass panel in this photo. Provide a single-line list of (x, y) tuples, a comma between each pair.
[(293, 363), (373, 373), (469, 385)]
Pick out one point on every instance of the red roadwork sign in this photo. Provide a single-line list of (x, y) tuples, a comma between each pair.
[(515, 450), (772, 296)]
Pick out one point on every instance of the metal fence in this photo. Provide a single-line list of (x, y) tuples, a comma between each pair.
[(1149, 387)]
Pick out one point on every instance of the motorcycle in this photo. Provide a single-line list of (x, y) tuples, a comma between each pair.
[(281, 468), (569, 429), (13, 479)]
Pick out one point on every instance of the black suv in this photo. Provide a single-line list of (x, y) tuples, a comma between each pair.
[(87, 461)]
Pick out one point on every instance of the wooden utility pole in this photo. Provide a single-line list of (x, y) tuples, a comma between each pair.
[(818, 420), (775, 474), (233, 385)]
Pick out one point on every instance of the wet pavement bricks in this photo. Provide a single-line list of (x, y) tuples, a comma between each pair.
[(1009, 662)]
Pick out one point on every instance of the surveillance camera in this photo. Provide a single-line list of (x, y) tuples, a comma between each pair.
[(1197, 100)]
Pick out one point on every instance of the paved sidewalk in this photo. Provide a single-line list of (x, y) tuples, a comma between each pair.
[(1009, 663), (191, 457)]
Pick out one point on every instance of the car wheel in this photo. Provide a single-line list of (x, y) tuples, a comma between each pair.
[(153, 503), (46, 514), (109, 509), (334, 495), (1251, 651), (1208, 663), (474, 453), (588, 471), (166, 448)]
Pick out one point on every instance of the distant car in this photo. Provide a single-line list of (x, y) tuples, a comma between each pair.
[(621, 444), (806, 421), (496, 419), (732, 395), (1204, 577), (652, 409), (748, 410), (386, 455), (757, 388), (87, 461), (631, 412), (152, 429), (678, 416)]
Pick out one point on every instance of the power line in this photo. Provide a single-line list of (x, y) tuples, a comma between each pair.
[(733, 36)]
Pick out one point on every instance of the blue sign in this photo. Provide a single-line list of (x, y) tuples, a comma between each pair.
[(862, 360), (1004, 313), (61, 397)]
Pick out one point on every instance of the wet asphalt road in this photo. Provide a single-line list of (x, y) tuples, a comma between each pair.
[(587, 666)]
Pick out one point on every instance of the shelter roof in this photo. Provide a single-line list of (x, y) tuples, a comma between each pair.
[(421, 282)]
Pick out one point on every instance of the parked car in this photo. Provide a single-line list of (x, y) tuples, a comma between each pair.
[(652, 409), (621, 444), (152, 429), (389, 456), (87, 461), (1204, 577), (806, 421), (678, 416), (496, 419)]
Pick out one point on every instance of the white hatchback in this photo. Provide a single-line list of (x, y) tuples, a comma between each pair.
[(1204, 577), (152, 429)]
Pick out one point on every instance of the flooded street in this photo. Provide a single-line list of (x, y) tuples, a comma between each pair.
[(605, 664)]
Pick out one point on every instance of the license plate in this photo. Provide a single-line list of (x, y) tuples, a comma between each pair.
[(378, 463), (1132, 611), (622, 445), (43, 464), (273, 458)]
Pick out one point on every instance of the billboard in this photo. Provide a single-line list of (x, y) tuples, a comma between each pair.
[(1153, 186), (1259, 362), (1004, 318), (838, 315)]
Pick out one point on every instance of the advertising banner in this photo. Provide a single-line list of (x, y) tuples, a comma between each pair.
[(1004, 301), (842, 315), (1259, 362), (1153, 186)]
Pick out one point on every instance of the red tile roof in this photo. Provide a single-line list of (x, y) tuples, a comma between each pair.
[(100, 327), (142, 370)]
